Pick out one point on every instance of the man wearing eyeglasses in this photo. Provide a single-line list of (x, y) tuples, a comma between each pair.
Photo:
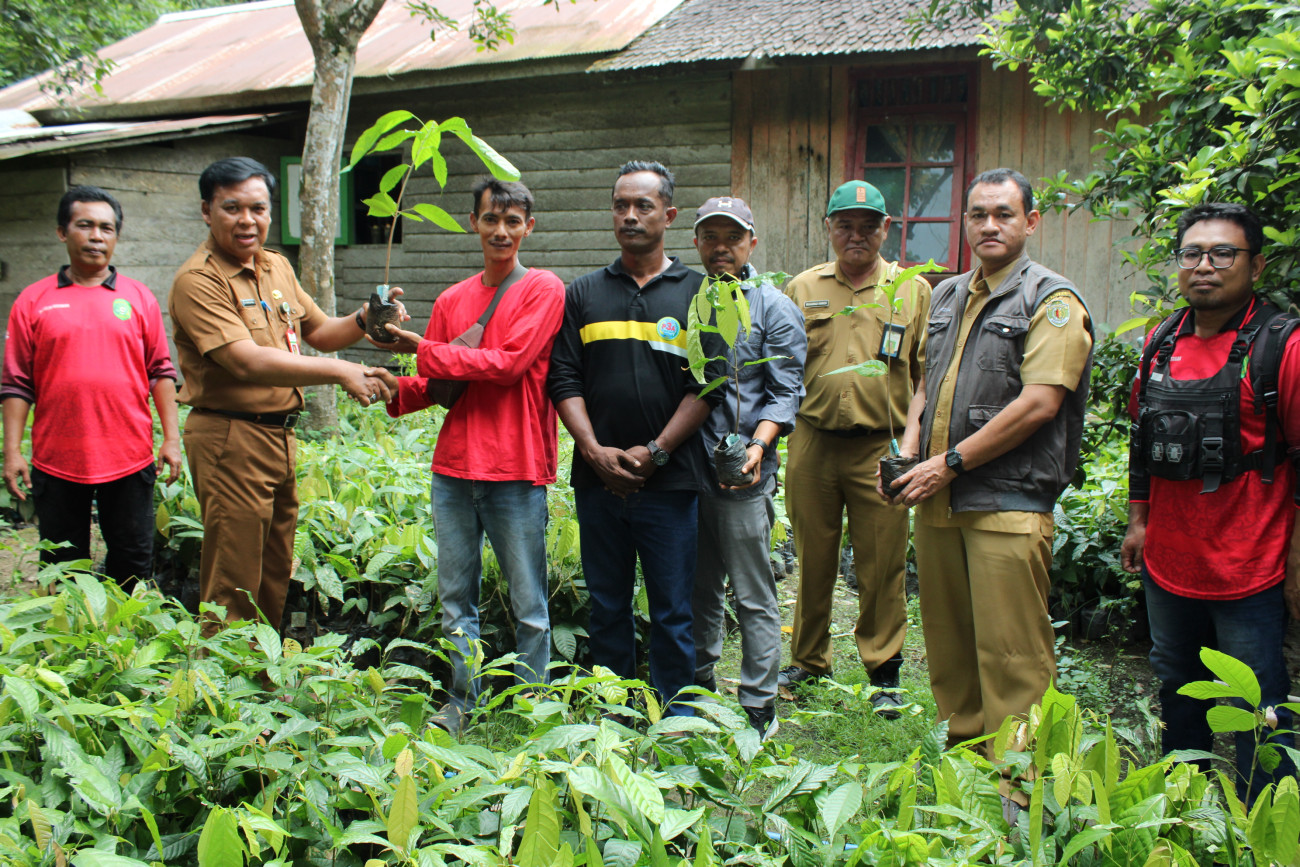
[(1212, 522), (1008, 354)]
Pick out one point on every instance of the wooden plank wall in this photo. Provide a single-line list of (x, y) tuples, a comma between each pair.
[(1019, 130), (29, 249), (791, 126), (568, 135)]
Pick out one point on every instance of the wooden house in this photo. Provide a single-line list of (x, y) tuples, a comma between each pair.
[(777, 101)]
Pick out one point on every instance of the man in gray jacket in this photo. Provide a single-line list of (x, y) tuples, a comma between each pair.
[(735, 522), (1008, 355)]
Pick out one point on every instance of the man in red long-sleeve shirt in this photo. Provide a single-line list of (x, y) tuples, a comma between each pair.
[(497, 448)]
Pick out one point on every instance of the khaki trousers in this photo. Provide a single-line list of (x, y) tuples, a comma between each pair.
[(248, 498), (988, 634), (824, 475)]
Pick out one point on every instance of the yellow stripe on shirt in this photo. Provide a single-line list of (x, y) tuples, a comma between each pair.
[(632, 330)]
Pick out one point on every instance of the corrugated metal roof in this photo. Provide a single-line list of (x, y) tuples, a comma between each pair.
[(21, 141), (703, 30), (261, 47)]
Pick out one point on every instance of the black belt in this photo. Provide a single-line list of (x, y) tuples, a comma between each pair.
[(851, 432), (270, 419)]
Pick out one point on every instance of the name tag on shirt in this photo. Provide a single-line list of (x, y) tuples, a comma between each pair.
[(248, 302), (822, 303)]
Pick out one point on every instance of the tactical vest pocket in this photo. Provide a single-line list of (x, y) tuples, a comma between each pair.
[(1171, 444), (1001, 346), (938, 324)]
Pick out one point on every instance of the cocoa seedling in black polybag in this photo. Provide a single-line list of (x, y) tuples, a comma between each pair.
[(891, 468), (381, 312), (729, 457)]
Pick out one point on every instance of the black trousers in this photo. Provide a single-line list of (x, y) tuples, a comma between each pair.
[(126, 521)]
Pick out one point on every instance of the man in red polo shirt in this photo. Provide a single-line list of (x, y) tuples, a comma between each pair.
[(496, 451), (87, 348)]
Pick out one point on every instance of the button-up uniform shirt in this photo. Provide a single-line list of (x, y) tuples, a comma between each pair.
[(849, 400), (216, 301)]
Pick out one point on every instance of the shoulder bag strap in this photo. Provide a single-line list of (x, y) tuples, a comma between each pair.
[(514, 277)]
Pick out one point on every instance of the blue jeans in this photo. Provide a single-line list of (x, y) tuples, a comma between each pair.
[(659, 528), (1249, 629), (513, 515)]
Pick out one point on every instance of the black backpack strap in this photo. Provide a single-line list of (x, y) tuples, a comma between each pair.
[(1265, 365), (1139, 479), (514, 277)]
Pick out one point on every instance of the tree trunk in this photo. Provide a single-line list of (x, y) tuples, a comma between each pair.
[(334, 28)]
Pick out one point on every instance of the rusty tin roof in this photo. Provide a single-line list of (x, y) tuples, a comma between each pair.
[(260, 47)]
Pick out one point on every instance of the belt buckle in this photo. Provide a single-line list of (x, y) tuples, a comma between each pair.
[(291, 420)]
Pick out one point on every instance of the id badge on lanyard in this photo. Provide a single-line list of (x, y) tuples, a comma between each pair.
[(290, 333), (891, 340)]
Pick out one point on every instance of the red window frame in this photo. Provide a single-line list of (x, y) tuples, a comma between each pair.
[(945, 93)]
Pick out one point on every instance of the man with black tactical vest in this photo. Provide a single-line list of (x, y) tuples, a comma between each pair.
[(1008, 355), (1212, 524)]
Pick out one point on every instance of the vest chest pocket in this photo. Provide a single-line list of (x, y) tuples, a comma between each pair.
[(934, 331), (1001, 342), (1171, 443)]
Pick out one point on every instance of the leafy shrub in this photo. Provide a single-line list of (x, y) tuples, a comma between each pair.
[(130, 739)]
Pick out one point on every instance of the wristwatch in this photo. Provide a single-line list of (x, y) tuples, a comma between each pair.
[(766, 447), (954, 461), (658, 455)]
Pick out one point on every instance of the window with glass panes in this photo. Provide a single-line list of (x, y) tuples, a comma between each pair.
[(912, 137)]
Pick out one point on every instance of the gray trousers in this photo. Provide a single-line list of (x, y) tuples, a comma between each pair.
[(735, 539)]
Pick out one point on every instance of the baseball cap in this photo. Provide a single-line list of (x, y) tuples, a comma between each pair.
[(855, 195), (726, 206)]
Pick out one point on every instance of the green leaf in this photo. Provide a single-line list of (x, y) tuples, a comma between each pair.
[(426, 144), (721, 380), (840, 806), (1204, 689), (874, 367), (98, 858), (1135, 322), (405, 813), (541, 840), (1233, 672), (380, 205), (293, 727), (500, 167), (366, 141), (22, 692), (269, 640), (393, 177), (643, 795), (438, 217), (677, 821), (1226, 718), (219, 844)]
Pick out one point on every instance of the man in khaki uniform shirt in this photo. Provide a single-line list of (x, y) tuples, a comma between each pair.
[(239, 315), (842, 433), (999, 422)]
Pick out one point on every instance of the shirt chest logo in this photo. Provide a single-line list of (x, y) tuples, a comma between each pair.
[(668, 328), (122, 309)]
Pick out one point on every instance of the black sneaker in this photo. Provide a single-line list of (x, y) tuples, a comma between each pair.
[(793, 675), (887, 705), (762, 720)]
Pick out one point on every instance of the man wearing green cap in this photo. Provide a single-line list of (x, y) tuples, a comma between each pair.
[(843, 431)]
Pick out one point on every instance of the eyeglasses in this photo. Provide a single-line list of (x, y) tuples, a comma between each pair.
[(1220, 257)]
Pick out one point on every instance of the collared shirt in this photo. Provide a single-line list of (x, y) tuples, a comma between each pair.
[(768, 392), (622, 348), (86, 357), (216, 301), (1054, 355), (844, 401)]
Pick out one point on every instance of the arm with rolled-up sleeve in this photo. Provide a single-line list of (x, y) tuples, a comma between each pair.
[(786, 342)]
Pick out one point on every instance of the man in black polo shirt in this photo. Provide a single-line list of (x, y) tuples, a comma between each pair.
[(620, 382)]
